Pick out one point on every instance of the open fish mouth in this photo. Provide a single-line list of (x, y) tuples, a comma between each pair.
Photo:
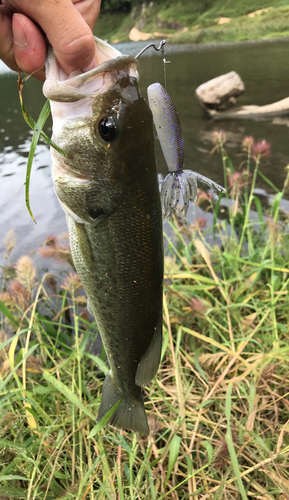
[(72, 98), (60, 87)]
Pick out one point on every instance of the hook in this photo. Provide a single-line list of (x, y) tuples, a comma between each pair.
[(160, 47)]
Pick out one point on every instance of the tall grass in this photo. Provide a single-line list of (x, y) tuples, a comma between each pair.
[(197, 22), (273, 23), (218, 408)]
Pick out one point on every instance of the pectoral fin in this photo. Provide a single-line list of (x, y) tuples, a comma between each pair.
[(84, 247), (150, 361)]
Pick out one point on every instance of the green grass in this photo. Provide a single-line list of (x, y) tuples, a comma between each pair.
[(218, 408), (200, 19), (273, 23), (113, 27)]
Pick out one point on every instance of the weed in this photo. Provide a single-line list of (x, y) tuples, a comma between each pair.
[(218, 408)]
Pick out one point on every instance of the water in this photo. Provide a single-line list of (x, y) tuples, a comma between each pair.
[(264, 70)]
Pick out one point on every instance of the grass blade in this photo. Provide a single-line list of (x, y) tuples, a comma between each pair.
[(38, 127), (67, 393), (31, 122), (101, 364), (103, 421), (268, 181), (14, 493), (11, 477), (174, 453), (6, 380), (38, 132), (230, 444), (7, 313)]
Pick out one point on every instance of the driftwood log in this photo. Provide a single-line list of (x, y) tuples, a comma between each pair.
[(221, 92), (279, 108)]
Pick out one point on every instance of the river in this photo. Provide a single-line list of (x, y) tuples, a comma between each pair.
[(262, 66)]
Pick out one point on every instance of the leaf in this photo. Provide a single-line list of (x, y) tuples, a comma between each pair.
[(10, 445), (103, 421), (35, 138), (11, 478), (268, 181), (247, 321), (230, 444), (259, 210), (29, 352), (198, 366), (101, 364), (30, 417), (204, 403), (83, 344), (276, 202), (119, 484), (13, 492), (11, 352), (31, 122), (210, 450), (216, 211), (38, 132), (202, 250), (67, 393), (174, 453), (7, 313)]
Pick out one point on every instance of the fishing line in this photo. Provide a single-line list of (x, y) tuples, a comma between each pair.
[(165, 71)]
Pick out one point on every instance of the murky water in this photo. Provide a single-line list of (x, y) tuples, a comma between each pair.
[(264, 69)]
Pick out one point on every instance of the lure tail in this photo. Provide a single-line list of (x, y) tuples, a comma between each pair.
[(180, 186)]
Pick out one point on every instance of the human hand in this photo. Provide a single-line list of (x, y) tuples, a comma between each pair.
[(67, 24)]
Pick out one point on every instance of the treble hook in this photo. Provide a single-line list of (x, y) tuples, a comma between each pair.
[(160, 47)]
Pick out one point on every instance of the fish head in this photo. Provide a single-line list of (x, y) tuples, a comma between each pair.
[(102, 124)]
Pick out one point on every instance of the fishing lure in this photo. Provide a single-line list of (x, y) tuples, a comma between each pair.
[(180, 185)]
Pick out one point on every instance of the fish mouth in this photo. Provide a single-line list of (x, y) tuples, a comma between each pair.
[(60, 87)]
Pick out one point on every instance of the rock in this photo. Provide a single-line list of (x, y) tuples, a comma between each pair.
[(220, 92)]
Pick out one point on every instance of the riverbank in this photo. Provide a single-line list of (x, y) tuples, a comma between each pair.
[(180, 24), (218, 408)]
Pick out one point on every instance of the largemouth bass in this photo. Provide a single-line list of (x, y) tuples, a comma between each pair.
[(108, 188)]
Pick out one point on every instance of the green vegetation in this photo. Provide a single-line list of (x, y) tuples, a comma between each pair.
[(218, 408), (187, 21)]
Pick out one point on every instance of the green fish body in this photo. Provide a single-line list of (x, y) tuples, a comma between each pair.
[(108, 187)]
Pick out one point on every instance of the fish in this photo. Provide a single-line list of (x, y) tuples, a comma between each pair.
[(108, 187), (180, 185)]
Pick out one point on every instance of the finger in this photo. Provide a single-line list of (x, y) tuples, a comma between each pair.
[(6, 39), (67, 31), (29, 46), (89, 9)]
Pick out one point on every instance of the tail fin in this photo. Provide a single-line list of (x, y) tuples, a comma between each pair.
[(127, 416)]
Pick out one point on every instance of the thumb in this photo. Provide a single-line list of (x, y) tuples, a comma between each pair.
[(66, 30)]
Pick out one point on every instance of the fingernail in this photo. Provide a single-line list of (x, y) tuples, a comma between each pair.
[(19, 32)]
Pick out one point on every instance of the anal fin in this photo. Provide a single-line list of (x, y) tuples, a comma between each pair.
[(149, 363)]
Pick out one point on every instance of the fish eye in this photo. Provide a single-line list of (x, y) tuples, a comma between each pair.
[(107, 129)]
